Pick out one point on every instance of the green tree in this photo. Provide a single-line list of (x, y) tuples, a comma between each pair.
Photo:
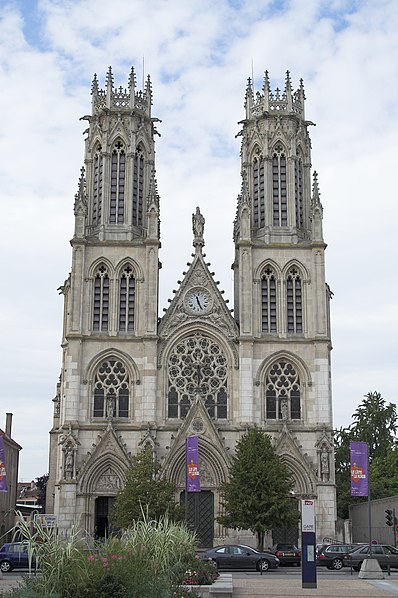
[(145, 493), (374, 422), (258, 494), (41, 485)]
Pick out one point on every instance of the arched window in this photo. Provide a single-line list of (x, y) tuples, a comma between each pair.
[(197, 366), (279, 190), (258, 192), (101, 299), (97, 187), (268, 301), (126, 299), (298, 189), (138, 187), (294, 301), (118, 176), (282, 398), (111, 389)]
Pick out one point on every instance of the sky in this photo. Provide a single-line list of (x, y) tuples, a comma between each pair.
[(199, 55)]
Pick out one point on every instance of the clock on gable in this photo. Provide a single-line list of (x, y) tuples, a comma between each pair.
[(198, 301)]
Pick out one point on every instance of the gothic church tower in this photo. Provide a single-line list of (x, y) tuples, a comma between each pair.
[(130, 380), (281, 299)]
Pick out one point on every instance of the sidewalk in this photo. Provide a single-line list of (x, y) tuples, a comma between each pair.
[(265, 586)]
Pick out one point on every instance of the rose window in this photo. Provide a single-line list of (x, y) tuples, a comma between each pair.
[(197, 367)]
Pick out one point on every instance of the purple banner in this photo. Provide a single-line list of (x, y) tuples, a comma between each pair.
[(359, 461), (192, 459), (3, 478)]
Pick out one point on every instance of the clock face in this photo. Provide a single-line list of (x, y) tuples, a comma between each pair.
[(198, 301)]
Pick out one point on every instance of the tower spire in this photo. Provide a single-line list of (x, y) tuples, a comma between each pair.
[(109, 87)]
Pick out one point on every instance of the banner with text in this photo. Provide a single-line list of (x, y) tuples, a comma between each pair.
[(3, 477), (192, 459), (359, 464)]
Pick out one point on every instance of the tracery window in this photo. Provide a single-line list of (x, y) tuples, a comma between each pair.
[(138, 187), (97, 187), (283, 392), (101, 299), (268, 301), (126, 299), (279, 190), (111, 389), (298, 188), (258, 192), (294, 302), (118, 176), (197, 366)]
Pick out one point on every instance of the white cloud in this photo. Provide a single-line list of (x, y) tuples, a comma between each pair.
[(199, 55)]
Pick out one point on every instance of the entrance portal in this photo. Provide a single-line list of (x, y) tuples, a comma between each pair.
[(103, 506), (200, 515)]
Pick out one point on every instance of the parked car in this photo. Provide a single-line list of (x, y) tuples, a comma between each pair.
[(14, 555), (331, 555), (238, 556), (288, 554), (386, 555)]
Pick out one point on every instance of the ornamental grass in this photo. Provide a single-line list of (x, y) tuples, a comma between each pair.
[(148, 560)]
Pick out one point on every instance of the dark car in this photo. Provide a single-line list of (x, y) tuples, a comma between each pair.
[(386, 555), (238, 556), (288, 554), (331, 555), (14, 556)]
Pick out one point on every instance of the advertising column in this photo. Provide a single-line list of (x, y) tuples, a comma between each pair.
[(308, 554)]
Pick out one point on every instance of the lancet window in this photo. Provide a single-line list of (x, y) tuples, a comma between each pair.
[(101, 299), (294, 301), (258, 192), (97, 187), (197, 368), (138, 187), (111, 389), (268, 301), (118, 181), (279, 189), (298, 188), (126, 299), (283, 392)]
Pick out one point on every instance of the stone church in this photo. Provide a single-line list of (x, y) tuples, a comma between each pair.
[(131, 379)]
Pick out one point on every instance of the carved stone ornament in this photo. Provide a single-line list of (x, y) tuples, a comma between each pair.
[(109, 481)]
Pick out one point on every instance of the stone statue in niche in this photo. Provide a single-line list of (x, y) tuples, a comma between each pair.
[(110, 406), (69, 462), (325, 469), (284, 409)]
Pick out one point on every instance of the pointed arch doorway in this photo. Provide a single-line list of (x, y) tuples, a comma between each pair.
[(200, 515), (103, 508)]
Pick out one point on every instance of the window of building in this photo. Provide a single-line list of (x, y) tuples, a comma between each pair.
[(138, 187), (111, 389), (298, 187), (279, 189), (118, 176), (282, 395), (268, 301), (101, 299), (97, 187), (126, 300), (258, 192), (197, 366), (294, 302)]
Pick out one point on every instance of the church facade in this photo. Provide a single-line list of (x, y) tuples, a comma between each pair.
[(130, 379)]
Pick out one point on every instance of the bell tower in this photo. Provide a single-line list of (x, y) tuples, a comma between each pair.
[(110, 297), (281, 300)]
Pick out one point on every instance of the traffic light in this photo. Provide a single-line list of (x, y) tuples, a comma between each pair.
[(389, 517)]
